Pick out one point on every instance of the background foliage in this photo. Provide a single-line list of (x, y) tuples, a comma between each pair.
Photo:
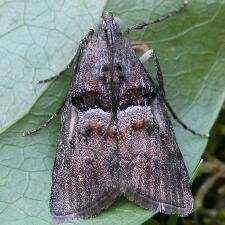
[(39, 38)]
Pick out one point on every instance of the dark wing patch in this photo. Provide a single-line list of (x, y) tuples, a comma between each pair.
[(152, 170), (85, 178)]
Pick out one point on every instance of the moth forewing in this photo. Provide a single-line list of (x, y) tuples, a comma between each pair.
[(116, 137)]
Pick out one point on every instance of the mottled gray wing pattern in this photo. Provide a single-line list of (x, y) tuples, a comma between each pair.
[(85, 178), (152, 170)]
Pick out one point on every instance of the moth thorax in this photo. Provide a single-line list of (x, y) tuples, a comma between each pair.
[(108, 21)]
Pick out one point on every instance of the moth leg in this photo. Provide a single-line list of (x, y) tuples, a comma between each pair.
[(142, 25), (57, 75), (147, 56), (182, 123), (48, 121), (75, 59), (159, 78)]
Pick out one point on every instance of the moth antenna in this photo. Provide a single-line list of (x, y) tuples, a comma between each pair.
[(144, 24)]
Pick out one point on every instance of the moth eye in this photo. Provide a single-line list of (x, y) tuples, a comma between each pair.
[(105, 68)]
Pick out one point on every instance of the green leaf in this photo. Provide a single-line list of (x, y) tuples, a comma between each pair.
[(196, 172), (39, 38), (172, 220)]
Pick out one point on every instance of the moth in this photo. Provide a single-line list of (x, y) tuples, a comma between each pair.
[(116, 137)]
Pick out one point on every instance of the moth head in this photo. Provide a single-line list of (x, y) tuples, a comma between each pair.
[(108, 21)]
